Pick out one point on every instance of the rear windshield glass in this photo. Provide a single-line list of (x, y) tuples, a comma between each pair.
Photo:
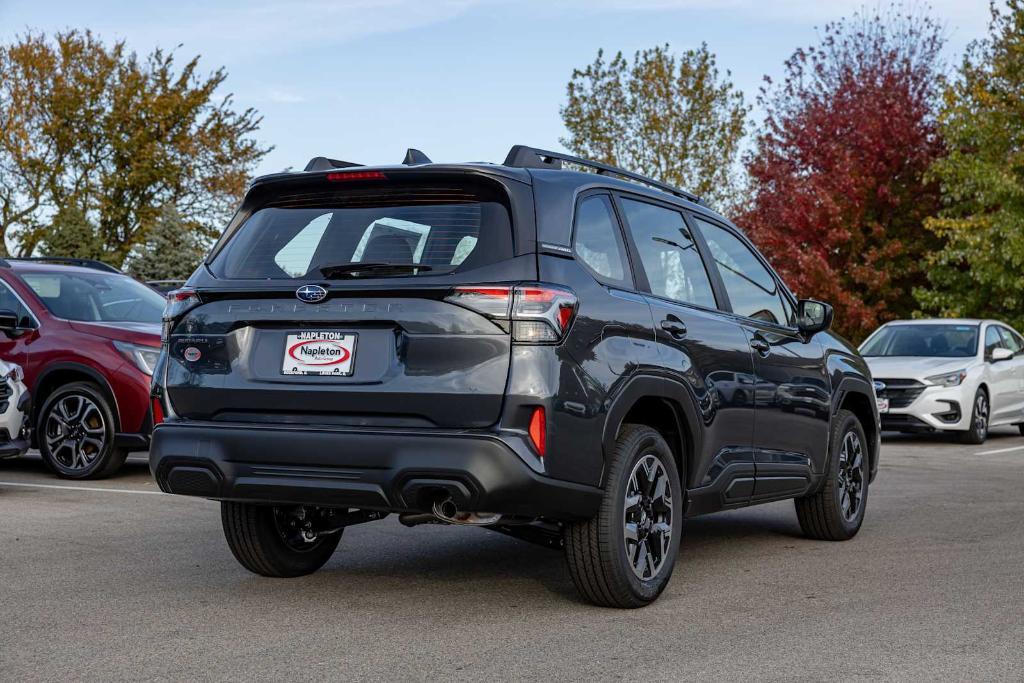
[(422, 229), (943, 341)]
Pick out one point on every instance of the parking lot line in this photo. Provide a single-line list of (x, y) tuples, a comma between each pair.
[(1000, 450), (79, 488)]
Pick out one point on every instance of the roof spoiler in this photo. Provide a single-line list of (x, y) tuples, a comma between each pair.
[(325, 164), (521, 156)]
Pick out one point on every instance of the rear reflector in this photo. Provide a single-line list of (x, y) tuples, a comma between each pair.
[(356, 175), (158, 411), (538, 430)]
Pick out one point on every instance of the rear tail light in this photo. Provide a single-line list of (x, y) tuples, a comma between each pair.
[(538, 430), (178, 302), (540, 313)]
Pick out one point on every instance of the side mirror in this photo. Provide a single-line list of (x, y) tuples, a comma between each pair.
[(813, 316), (999, 354), (8, 322)]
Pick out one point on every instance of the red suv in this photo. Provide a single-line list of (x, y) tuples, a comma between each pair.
[(88, 338)]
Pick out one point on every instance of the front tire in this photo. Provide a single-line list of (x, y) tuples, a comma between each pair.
[(978, 431), (836, 512), (624, 556), (76, 433), (276, 541)]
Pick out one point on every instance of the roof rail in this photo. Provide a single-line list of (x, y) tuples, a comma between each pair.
[(325, 164), (64, 260), (521, 156)]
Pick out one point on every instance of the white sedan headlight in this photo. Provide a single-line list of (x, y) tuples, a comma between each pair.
[(948, 379)]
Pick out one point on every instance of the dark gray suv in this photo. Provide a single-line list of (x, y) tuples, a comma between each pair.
[(552, 348)]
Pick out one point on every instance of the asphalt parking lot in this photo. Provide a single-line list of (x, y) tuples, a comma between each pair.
[(114, 580)]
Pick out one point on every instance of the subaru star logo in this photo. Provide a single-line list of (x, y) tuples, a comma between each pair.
[(879, 386), (311, 294)]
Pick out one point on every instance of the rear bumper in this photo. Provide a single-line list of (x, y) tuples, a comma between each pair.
[(387, 470)]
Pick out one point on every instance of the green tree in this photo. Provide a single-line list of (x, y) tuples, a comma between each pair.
[(93, 125), (980, 272), (170, 251), (671, 117), (71, 234)]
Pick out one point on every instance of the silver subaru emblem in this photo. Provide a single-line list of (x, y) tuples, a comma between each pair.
[(311, 294)]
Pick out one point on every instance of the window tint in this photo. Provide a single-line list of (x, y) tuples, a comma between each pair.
[(669, 255), (752, 290), (10, 302), (1010, 341), (443, 226), (993, 340), (597, 240), (923, 339)]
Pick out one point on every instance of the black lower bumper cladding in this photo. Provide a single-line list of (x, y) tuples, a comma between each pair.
[(396, 471)]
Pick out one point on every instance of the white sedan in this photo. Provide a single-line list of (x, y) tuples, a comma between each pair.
[(955, 375), (14, 399)]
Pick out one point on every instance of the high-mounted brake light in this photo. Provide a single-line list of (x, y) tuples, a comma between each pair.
[(540, 313), (356, 175), (538, 430)]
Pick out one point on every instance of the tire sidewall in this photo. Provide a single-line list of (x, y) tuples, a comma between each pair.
[(643, 442), (96, 396), (849, 422)]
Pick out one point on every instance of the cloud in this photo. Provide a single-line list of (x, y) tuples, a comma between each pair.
[(281, 96)]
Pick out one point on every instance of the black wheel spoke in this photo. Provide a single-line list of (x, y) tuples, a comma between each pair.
[(647, 517)]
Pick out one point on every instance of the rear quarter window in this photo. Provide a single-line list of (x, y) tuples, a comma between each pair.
[(445, 227)]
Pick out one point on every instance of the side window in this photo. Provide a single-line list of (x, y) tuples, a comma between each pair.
[(1010, 340), (751, 287), (10, 302), (597, 240), (993, 340), (669, 255)]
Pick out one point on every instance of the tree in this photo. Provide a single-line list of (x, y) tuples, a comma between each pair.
[(669, 117), (979, 271), (94, 126), (171, 250), (71, 234), (837, 174)]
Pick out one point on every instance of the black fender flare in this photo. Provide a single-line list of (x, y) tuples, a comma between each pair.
[(92, 373), (652, 386)]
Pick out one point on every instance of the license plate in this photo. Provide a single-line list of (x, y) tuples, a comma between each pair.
[(319, 353), (883, 405)]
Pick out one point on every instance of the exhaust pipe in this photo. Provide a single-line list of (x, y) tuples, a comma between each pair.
[(447, 511)]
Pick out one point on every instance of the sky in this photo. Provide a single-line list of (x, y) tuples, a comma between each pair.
[(462, 80)]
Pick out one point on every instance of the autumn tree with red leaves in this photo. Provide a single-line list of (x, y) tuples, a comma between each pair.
[(837, 174)]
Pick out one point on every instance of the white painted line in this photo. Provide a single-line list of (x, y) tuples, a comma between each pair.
[(79, 488), (1001, 450)]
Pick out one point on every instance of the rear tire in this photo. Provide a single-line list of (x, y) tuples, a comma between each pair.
[(836, 512), (263, 542), (624, 556), (76, 433), (978, 431)]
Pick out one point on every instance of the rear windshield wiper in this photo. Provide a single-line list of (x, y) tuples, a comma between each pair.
[(354, 270)]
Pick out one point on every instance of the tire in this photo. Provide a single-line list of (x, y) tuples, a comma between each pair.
[(978, 431), (257, 535), (836, 512), (596, 549), (76, 433)]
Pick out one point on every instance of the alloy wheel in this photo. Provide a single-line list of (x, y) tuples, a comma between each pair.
[(981, 415), (851, 476), (75, 432), (647, 517)]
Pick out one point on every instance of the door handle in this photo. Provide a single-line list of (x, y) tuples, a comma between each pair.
[(674, 326), (762, 347)]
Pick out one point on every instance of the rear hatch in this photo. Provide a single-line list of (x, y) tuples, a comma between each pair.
[(330, 303)]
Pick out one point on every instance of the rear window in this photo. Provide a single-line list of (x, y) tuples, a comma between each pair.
[(424, 229)]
